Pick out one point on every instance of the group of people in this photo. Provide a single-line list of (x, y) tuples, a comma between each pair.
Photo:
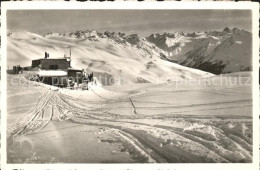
[(17, 69), (83, 80)]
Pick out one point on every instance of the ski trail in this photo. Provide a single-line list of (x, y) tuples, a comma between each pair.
[(81, 112)]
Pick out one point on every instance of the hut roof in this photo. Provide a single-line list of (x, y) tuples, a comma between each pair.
[(53, 58), (74, 69)]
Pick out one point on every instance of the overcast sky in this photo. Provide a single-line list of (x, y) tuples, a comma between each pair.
[(144, 22)]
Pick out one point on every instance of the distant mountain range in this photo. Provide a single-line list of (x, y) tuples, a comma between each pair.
[(229, 50), (156, 58), (217, 52)]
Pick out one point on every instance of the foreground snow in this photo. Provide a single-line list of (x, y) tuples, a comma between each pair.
[(144, 123)]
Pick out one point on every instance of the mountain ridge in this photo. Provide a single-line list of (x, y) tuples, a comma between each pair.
[(114, 55), (200, 50), (218, 52), (158, 57)]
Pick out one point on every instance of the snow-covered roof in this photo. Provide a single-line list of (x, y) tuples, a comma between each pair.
[(74, 69), (53, 58), (52, 73)]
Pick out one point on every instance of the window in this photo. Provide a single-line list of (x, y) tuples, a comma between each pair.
[(53, 67)]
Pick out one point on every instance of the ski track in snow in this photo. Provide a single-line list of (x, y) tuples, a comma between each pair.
[(95, 113)]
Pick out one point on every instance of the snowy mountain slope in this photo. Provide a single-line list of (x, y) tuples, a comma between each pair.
[(128, 59), (229, 50)]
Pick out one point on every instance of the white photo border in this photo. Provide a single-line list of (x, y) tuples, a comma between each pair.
[(253, 6)]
